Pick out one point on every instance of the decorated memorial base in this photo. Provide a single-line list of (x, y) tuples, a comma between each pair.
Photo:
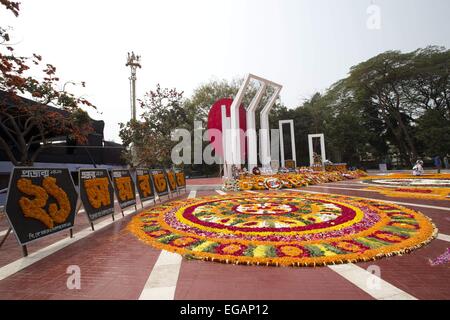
[(283, 229), (288, 180)]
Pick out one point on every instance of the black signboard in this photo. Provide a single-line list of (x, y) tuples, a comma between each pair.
[(160, 182), (96, 192), (172, 181), (181, 179), (40, 202), (144, 184), (124, 187)]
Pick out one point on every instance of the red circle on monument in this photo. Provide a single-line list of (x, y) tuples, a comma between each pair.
[(215, 122)]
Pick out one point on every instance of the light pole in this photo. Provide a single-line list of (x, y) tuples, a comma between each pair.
[(134, 62)]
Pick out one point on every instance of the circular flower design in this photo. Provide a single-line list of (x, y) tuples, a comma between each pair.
[(265, 208), (413, 182), (283, 228)]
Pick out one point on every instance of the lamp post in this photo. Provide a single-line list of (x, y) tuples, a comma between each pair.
[(134, 62)]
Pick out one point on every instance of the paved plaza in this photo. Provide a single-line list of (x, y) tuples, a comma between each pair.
[(114, 264)]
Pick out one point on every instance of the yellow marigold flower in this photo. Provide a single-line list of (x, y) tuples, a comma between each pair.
[(232, 248), (291, 251), (184, 241)]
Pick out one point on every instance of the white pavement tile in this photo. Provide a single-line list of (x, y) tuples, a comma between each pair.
[(2, 233), (192, 194), (369, 283), (161, 293), (443, 237), (162, 281)]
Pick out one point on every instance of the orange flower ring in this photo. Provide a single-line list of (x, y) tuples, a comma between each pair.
[(283, 229)]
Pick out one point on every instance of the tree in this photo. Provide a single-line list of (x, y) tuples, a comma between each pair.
[(148, 142), (27, 125), (433, 132), (401, 87)]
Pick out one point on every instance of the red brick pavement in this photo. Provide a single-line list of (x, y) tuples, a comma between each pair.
[(208, 280), (115, 265), (414, 274), (204, 181)]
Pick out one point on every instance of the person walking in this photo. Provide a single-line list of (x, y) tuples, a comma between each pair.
[(446, 161), (438, 163)]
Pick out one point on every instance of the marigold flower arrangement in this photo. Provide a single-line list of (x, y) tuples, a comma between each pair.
[(413, 192), (160, 182), (144, 185), (124, 188), (283, 229), (172, 181), (181, 179), (291, 180), (35, 208), (98, 192)]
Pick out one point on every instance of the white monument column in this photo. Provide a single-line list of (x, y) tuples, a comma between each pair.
[(321, 136), (234, 145), (225, 138), (235, 127), (294, 155), (264, 140), (252, 137)]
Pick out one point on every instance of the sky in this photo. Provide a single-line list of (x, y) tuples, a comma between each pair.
[(305, 45)]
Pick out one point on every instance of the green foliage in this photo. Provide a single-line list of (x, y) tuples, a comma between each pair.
[(27, 126), (392, 105), (148, 142), (433, 132)]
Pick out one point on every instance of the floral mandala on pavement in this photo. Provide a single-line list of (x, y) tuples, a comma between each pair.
[(432, 193), (283, 229)]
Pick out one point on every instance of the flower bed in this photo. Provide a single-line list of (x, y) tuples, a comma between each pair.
[(283, 229), (288, 180)]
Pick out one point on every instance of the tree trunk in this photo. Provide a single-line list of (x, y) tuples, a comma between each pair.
[(5, 147), (409, 141)]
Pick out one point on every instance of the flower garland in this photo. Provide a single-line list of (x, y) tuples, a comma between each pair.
[(97, 192), (124, 188), (58, 215), (181, 179), (172, 181), (160, 182), (35, 208), (412, 192), (283, 229), (409, 176), (289, 180), (144, 185)]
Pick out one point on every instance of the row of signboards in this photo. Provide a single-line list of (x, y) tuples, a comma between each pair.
[(43, 201)]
